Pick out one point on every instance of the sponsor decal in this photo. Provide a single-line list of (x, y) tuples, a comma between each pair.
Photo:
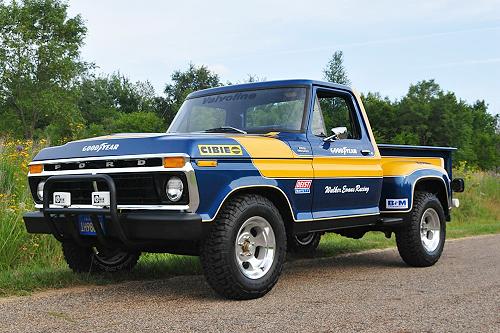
[(343, 151), (102, 146), (302, 150), (224, 150), (228, 98), (346, 189), (303, 186), (397, 203)]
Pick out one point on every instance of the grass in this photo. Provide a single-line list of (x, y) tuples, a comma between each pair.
[(30, 263)]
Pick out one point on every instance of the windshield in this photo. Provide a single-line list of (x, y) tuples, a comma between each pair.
[(253, 111)]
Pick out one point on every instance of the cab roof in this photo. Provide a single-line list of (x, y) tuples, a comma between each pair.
[(266, 85)]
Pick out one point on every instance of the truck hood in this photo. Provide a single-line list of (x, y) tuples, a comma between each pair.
[(201, 145)]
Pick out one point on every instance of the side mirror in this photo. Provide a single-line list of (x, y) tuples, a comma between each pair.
[(457, 185), (339, 133)]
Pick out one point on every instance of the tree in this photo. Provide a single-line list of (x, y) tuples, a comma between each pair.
[(335, 71), (104, 100), (184, 83), (39, 65)]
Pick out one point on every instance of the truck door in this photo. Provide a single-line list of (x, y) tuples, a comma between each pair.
[(347, 172)]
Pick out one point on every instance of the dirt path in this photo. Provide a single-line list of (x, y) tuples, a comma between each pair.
[(373, 292)]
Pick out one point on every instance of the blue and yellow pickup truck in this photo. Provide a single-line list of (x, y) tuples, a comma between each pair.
[(244, 174)]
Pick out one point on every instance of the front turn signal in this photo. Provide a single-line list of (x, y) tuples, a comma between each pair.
[(174, 162), (36, 168), (206, 163)]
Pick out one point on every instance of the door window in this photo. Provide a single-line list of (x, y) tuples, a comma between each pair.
[(334, 110)]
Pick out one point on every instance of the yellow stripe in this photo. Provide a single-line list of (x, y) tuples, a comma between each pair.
[(331, 167), (402, 166), (275, 159), (264, 147)]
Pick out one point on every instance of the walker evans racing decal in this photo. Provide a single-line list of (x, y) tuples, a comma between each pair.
[(220, 150), (343, 151), (303, 186), (102, 146), (347, 189), (397, 203)]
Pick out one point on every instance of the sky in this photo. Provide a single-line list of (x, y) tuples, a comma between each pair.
[(387, 44)]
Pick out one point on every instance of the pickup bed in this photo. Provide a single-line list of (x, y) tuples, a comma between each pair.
[(244, 174)]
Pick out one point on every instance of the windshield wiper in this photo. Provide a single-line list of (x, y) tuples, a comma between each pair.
[(224, 129)]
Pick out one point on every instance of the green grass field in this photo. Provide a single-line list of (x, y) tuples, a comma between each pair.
[(32, 262)]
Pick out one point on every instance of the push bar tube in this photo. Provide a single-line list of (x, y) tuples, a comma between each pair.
[(111, 211)]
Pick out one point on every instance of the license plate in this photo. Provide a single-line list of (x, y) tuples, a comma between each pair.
[(100, 199), (86, 227), (62, 199)]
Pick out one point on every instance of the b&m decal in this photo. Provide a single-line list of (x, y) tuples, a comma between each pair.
[(220, 150), (303, 186), (397, 203)]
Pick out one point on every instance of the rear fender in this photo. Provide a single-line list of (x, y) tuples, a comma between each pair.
[(398, 192)]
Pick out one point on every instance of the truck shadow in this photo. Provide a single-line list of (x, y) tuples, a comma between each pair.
[(153, 284)]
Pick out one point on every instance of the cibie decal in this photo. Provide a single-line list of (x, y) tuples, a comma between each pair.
[(343, 151), (224, 150), (303, 186), (102, 146), (396, 203), (347, 189)]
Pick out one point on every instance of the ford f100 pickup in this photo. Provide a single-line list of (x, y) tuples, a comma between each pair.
[(244, 174)]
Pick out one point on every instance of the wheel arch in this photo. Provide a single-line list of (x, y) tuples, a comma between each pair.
[(436, 186), (272, 193)]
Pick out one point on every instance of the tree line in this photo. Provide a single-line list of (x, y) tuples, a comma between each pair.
[(48, 91)]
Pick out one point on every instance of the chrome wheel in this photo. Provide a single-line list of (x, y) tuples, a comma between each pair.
[(255, 247), (430, 230), (305, 239)]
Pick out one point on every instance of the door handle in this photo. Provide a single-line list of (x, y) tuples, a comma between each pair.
[(366, 152)]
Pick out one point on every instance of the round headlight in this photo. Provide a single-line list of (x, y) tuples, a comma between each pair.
[(174, 189), (39, 189)]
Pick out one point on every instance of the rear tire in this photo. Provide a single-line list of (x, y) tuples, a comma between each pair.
[(243, 254), (90, 260), (421, 241), (303, 243)]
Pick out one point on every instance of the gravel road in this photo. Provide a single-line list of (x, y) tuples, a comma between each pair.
[(371, 292)]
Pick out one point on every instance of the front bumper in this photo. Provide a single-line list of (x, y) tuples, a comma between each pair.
[(132, 229), (138, 225)]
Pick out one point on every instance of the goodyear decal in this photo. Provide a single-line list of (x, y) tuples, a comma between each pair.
[(220, 150)]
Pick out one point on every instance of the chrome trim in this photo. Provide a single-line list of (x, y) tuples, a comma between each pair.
[(111, 157), (413, 195), (289, 205), (127, 207), (106, 171), (187, 169)]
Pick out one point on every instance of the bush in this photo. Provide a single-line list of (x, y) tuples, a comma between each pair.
[(138, 122), (17, 247)]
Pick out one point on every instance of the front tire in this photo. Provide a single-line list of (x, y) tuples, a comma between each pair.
[(420, 243), (91, 260), (243, 254)]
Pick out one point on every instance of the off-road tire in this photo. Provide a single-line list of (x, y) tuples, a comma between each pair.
[(217, 251), (303, 244), (85, 260), (408, 238)]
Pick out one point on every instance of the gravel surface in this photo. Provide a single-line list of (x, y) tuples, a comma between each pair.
[(371, 292)]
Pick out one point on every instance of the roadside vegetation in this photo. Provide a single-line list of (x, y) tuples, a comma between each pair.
[(34, 262)]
